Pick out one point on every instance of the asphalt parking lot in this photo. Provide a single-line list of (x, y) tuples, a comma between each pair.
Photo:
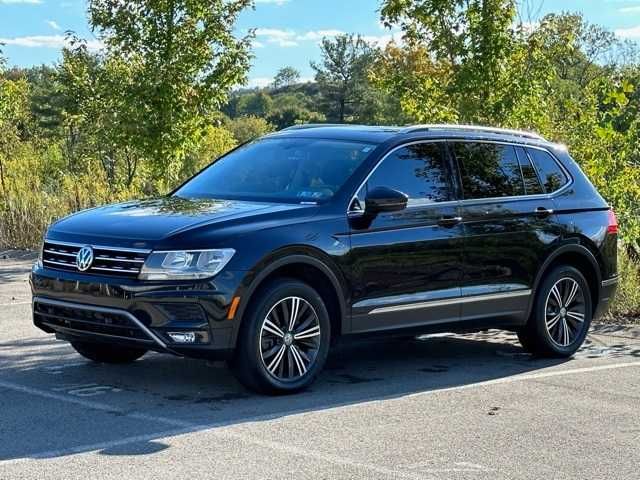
[(440, 407)]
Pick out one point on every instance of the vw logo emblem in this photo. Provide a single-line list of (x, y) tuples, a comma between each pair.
[(84, 258)]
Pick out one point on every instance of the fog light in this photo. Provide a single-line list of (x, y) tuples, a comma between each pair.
[(182, 337)]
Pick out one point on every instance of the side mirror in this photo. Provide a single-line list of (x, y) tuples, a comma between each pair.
[(383, 199)]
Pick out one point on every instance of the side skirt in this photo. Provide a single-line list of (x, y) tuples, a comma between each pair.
[(496, 308)]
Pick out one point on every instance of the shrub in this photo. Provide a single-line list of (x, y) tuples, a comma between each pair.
[(625, 307)]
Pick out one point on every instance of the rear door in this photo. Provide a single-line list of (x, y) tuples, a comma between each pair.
[(508, 224), (406, 266)]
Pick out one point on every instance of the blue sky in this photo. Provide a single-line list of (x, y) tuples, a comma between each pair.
[(288, 31)]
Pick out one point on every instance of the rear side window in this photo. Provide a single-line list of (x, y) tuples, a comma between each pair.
[(531, 181), (550, 173), (488, 170), (419, 171)]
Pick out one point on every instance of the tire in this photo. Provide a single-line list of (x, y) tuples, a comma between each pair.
[(561, 314), (269, 357), (104, 353)]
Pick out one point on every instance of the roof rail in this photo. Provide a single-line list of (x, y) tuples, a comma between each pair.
[(476, 128), (304, 126)]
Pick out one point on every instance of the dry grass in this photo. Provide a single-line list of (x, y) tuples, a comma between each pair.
[(626, 304)]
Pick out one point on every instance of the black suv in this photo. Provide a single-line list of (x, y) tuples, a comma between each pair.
[(317, 232)]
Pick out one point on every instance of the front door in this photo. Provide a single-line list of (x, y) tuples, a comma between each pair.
[(406, 265)]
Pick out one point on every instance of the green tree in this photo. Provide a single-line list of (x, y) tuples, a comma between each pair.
[(474, 66), (101, 115), (248, 128), (294, 115), (14, 105), (215, 142), (579, 51), (258, 104), (187, 59), (286, 77), (45, 100), (342, 74)]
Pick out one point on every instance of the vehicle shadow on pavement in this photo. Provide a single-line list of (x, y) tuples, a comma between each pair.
[(54, 403)]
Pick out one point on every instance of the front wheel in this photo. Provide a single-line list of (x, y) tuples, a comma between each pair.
[(284, 339), (561, 316)]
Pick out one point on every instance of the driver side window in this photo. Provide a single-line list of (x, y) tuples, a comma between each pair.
[(420, 171)]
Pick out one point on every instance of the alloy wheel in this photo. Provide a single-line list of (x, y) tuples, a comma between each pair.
[(290, 339), (565, 311)]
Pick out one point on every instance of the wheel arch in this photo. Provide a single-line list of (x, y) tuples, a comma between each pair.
[(577, 256), (306, 265)]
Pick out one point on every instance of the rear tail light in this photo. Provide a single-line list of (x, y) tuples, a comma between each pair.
[(612, 227)]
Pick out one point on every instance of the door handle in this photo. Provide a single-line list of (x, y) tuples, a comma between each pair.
[(543, 212), (449, 221)]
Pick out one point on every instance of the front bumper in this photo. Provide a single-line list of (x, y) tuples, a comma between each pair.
[(83, 307)]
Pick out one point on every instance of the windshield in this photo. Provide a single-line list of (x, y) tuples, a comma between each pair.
[(280, 169)]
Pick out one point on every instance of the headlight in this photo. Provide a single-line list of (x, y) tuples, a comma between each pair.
[(185, 264)]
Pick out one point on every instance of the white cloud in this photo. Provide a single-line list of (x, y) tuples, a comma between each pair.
[(289, 38), (259, 82), (631, 33), (635, 9), (31, 2), (282, 38), (53, 25), (383, 40), (319, 35), (288, 43), (46, 41)]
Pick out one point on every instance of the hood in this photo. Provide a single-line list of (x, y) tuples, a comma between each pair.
[(144, 222)]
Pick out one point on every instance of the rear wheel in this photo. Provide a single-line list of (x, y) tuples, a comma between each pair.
[(561, 316), (104, 353), (284, 339)]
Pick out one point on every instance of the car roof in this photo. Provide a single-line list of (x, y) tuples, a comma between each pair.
[(380, 134)]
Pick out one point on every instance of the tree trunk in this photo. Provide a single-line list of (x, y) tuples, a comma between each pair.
[(4, 188)]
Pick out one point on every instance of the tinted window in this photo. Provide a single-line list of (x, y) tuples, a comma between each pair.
[(280, 169), (489, 170), (550, 173), (420, 171), (531, 182)]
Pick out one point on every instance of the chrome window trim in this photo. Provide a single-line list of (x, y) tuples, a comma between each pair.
[(386, 155), (473, 201), (98, 247), (558, 162), (450, 301)]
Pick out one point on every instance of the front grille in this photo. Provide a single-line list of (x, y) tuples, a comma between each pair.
[(106, 260), (80, 320)]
